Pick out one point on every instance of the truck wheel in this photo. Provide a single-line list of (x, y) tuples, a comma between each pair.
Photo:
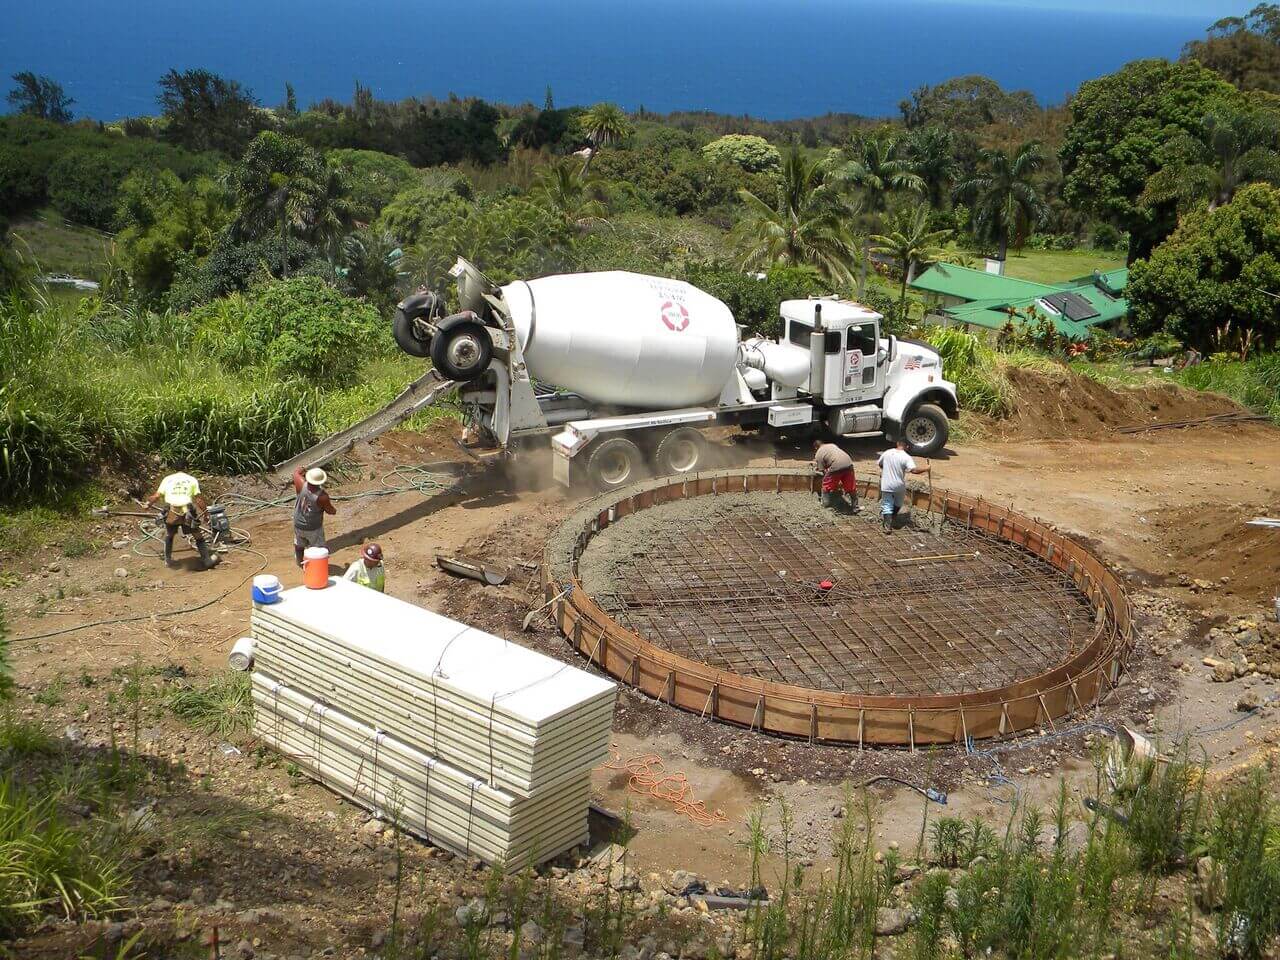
[(614, 463), (402, 328), (680, 451), (926, 430), (463, 351)]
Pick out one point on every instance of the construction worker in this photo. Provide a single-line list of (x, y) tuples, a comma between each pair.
[(838, 479), (181, 494), (309, 508), (895, 464), (368, 571)]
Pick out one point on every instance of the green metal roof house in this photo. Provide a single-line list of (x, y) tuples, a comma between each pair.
[(984, 300)]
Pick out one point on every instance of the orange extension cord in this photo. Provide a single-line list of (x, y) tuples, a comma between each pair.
[(650, 779)]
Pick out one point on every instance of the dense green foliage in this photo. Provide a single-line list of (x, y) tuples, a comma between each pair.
[(1244, 51), (373, 178), (1120, 127), (966, 103), (1254, 382), (1218, 272), (751, 153), (204, 111), (38, 96)]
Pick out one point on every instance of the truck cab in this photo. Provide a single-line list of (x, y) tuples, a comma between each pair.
[(863, 383)]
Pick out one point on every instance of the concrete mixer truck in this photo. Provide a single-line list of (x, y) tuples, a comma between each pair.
[(623, 372)]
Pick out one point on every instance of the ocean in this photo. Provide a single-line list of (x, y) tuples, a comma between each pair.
[(774, 59)]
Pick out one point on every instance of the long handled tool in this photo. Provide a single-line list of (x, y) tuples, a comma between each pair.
[(533, 614)]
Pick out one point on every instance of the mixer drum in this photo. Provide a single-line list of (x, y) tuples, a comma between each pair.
[(625, 338)]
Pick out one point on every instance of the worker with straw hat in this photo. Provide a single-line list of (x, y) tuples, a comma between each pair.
[(368, 570), (309, 508)]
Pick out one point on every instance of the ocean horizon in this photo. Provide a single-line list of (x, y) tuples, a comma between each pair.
[(771, 60)]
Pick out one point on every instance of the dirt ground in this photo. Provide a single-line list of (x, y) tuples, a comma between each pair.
[(1167, 508)]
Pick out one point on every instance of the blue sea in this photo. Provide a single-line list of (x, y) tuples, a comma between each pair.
[(775, 59)]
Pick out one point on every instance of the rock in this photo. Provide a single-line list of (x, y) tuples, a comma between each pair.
[(378, 939), (121, 573), (73, 734), (473, 913), (119, 544), (113, 932), (1223, 671), (198, 896), (906, 871), (141, 819), (54, 567), (951, 899), (1248, 701), (575, 936), (245, 949), (530, 932), (891, 921), (1208, 884), (695, 949), (620, 878), (726, 946), (679, 882), (372, 827)]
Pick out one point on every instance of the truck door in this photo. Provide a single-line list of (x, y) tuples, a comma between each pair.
[(863, 378)]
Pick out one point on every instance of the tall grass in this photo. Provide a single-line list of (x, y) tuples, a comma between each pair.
[(47, 866), (1254, 383), (223, 707)]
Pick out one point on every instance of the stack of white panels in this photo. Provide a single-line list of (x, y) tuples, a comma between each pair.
[(486, 746)]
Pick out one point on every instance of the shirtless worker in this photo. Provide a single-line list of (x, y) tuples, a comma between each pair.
[(309, 508), (895, 464), (836, 468)]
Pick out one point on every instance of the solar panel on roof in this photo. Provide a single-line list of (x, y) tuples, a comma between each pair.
[(1072, 306)]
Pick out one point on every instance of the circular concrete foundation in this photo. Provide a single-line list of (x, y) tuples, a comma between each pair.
[(737, 596)]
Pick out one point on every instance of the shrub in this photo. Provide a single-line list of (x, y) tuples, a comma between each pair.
[(223, 707), (753, 301), (1244, 825), (971, 366), (300, 327), (751, 153), (84, 186), (1254, 383), (374, 178)]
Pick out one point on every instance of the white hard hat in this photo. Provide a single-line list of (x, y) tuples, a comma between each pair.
[(317, 477)]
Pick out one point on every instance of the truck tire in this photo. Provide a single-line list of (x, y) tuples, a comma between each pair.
[(683, 450), (402, 326), (925, 429), (614, 463), (463, 351)]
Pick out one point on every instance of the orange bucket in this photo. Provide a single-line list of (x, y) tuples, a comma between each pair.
[(315, 567)]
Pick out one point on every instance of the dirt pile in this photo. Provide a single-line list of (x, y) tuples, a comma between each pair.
[(1218, 553), (1064, 404)]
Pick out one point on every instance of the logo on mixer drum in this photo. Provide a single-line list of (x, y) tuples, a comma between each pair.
[(675, 316)]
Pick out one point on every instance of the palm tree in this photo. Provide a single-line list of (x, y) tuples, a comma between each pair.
[(576, 200), (806, 225), (931, 152), (333, 214), (604, 123), (877, 173), (910, 242), (1238, 147), (1005, 200)]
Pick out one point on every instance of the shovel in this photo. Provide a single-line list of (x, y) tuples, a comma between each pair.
[(459, 567), (533, 614)]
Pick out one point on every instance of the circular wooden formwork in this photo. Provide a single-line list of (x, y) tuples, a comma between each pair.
[(819, 715)]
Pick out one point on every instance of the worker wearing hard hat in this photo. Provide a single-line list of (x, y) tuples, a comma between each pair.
[(838, 478), (368, 571), (181, 495), (895, 464), (309, 508)]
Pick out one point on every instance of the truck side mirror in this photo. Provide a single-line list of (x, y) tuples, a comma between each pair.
[(893, 348)]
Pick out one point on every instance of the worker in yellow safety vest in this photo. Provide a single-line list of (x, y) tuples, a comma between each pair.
[(368, 571), (181, 494)]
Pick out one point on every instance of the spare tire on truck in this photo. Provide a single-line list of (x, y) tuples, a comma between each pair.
[(403, 327)]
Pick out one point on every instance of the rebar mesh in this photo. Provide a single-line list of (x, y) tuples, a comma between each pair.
[(741, 593)]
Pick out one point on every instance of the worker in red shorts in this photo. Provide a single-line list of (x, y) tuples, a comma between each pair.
[(837, 477)]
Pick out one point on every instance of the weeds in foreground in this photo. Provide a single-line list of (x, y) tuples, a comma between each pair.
[(47, 866), (223, 707)]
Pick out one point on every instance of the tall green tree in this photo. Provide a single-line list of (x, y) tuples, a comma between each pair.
[(1119, 126), (283, 185), (932, 154), (808, 224), (1004, 197), (1237, 146), (877, 171), (39, 96), (910, 242), (207, 112), (1244, 51), (1220, 267), (605, 123)]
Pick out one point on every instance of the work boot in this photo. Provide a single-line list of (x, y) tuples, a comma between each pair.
[(886, 523), (830, 502), (168, 551), (207, 560)]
